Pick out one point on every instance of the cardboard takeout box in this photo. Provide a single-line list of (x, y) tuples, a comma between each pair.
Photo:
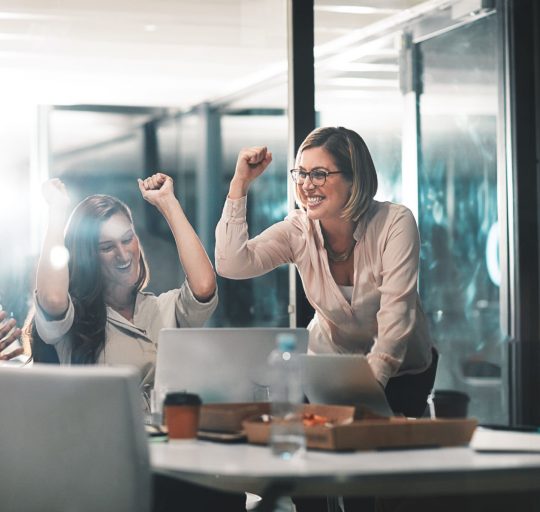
[(229, 417), (344, 431)]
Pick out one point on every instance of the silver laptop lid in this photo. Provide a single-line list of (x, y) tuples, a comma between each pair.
[(342, 379), (219, 364)]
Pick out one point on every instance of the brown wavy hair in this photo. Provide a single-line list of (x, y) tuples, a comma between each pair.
[(352, 157), (86, 283)]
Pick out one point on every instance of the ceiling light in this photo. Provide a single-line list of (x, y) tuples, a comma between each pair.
[(361, 82), (354, 9), (4, 15), (364, 67)]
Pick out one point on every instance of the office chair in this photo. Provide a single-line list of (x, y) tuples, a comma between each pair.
[(72, 440)]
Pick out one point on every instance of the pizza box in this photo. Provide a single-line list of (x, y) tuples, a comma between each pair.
[(228, 418), (348, 429)]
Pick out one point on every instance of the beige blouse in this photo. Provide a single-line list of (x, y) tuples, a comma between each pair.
[(132, 343), (384, 319)]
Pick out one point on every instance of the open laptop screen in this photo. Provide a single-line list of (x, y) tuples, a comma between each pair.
[(342, 379)]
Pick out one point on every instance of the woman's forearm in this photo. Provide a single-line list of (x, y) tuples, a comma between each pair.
[(52, 279), (238, 256), (238, 188), (191, 253)]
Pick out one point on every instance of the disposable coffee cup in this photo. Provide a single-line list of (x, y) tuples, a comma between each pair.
[(445, 403), (181, 412)]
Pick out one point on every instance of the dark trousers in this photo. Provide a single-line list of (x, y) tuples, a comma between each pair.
[(173, 495), (407, 395)]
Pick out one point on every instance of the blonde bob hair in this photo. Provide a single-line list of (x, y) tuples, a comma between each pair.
[(351, 156)]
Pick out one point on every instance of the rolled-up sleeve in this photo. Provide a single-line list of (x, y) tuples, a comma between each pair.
[(238, 257), (52, 330), (189, 311), (396, 317)]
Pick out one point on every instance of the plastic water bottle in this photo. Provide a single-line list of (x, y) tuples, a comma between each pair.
[(287, 437)]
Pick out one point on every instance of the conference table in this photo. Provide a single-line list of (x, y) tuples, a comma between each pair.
[(508, 462)]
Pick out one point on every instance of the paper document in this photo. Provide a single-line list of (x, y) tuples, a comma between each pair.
[(505, 441)]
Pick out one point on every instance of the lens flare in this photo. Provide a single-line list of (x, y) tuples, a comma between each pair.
[(59, 257)]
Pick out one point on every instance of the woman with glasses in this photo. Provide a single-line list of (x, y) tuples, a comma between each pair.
[(357, 257)]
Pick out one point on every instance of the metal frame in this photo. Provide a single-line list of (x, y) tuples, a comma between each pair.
[(209, 173), (505, 186), (411, 88), (301, 89), (522, 55)]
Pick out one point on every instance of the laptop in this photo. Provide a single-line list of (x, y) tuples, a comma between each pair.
[(342, 379), (221, 365)]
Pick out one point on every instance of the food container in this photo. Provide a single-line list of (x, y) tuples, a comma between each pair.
[(343, 431)]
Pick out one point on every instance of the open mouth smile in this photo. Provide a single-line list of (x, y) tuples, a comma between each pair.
[(124, 266), (313, 201)]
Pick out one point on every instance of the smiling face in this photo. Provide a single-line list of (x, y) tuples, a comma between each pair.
[(119, 252), (327, 201)]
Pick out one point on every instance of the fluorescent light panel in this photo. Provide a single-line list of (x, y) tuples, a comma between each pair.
[(354, 9), (361, 82), (364, 67)]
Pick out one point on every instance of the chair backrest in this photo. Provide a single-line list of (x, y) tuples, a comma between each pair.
[(72, 439)]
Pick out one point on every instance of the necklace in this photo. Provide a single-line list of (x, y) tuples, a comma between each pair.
[(338, 256)]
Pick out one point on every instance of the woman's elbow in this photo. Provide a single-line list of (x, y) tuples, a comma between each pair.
[(227, 271), (206, 289), (222, 269), (53, 305)]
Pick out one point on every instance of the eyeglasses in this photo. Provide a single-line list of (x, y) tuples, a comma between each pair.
[(316, 176)]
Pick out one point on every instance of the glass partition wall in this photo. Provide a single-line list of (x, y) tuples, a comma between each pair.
[(422, 87), (262, 301), (198, 149), (460, 274), (107, 150), (201, 85)]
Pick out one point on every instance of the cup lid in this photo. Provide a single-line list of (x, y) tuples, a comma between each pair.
[(182, 398), (439, 394)]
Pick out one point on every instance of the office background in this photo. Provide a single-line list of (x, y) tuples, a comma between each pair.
[(444, 92)]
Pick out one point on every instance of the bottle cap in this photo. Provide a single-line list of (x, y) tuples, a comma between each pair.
[(286, 342)]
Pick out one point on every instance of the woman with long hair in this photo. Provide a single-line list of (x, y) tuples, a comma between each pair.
[(93, 309)]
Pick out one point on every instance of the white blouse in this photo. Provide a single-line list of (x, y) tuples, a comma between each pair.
[(384, 318)]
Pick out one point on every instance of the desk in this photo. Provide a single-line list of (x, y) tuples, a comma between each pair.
[(425, 472)]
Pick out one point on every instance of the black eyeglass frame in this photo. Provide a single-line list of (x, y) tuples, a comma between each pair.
[(324, 172)]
